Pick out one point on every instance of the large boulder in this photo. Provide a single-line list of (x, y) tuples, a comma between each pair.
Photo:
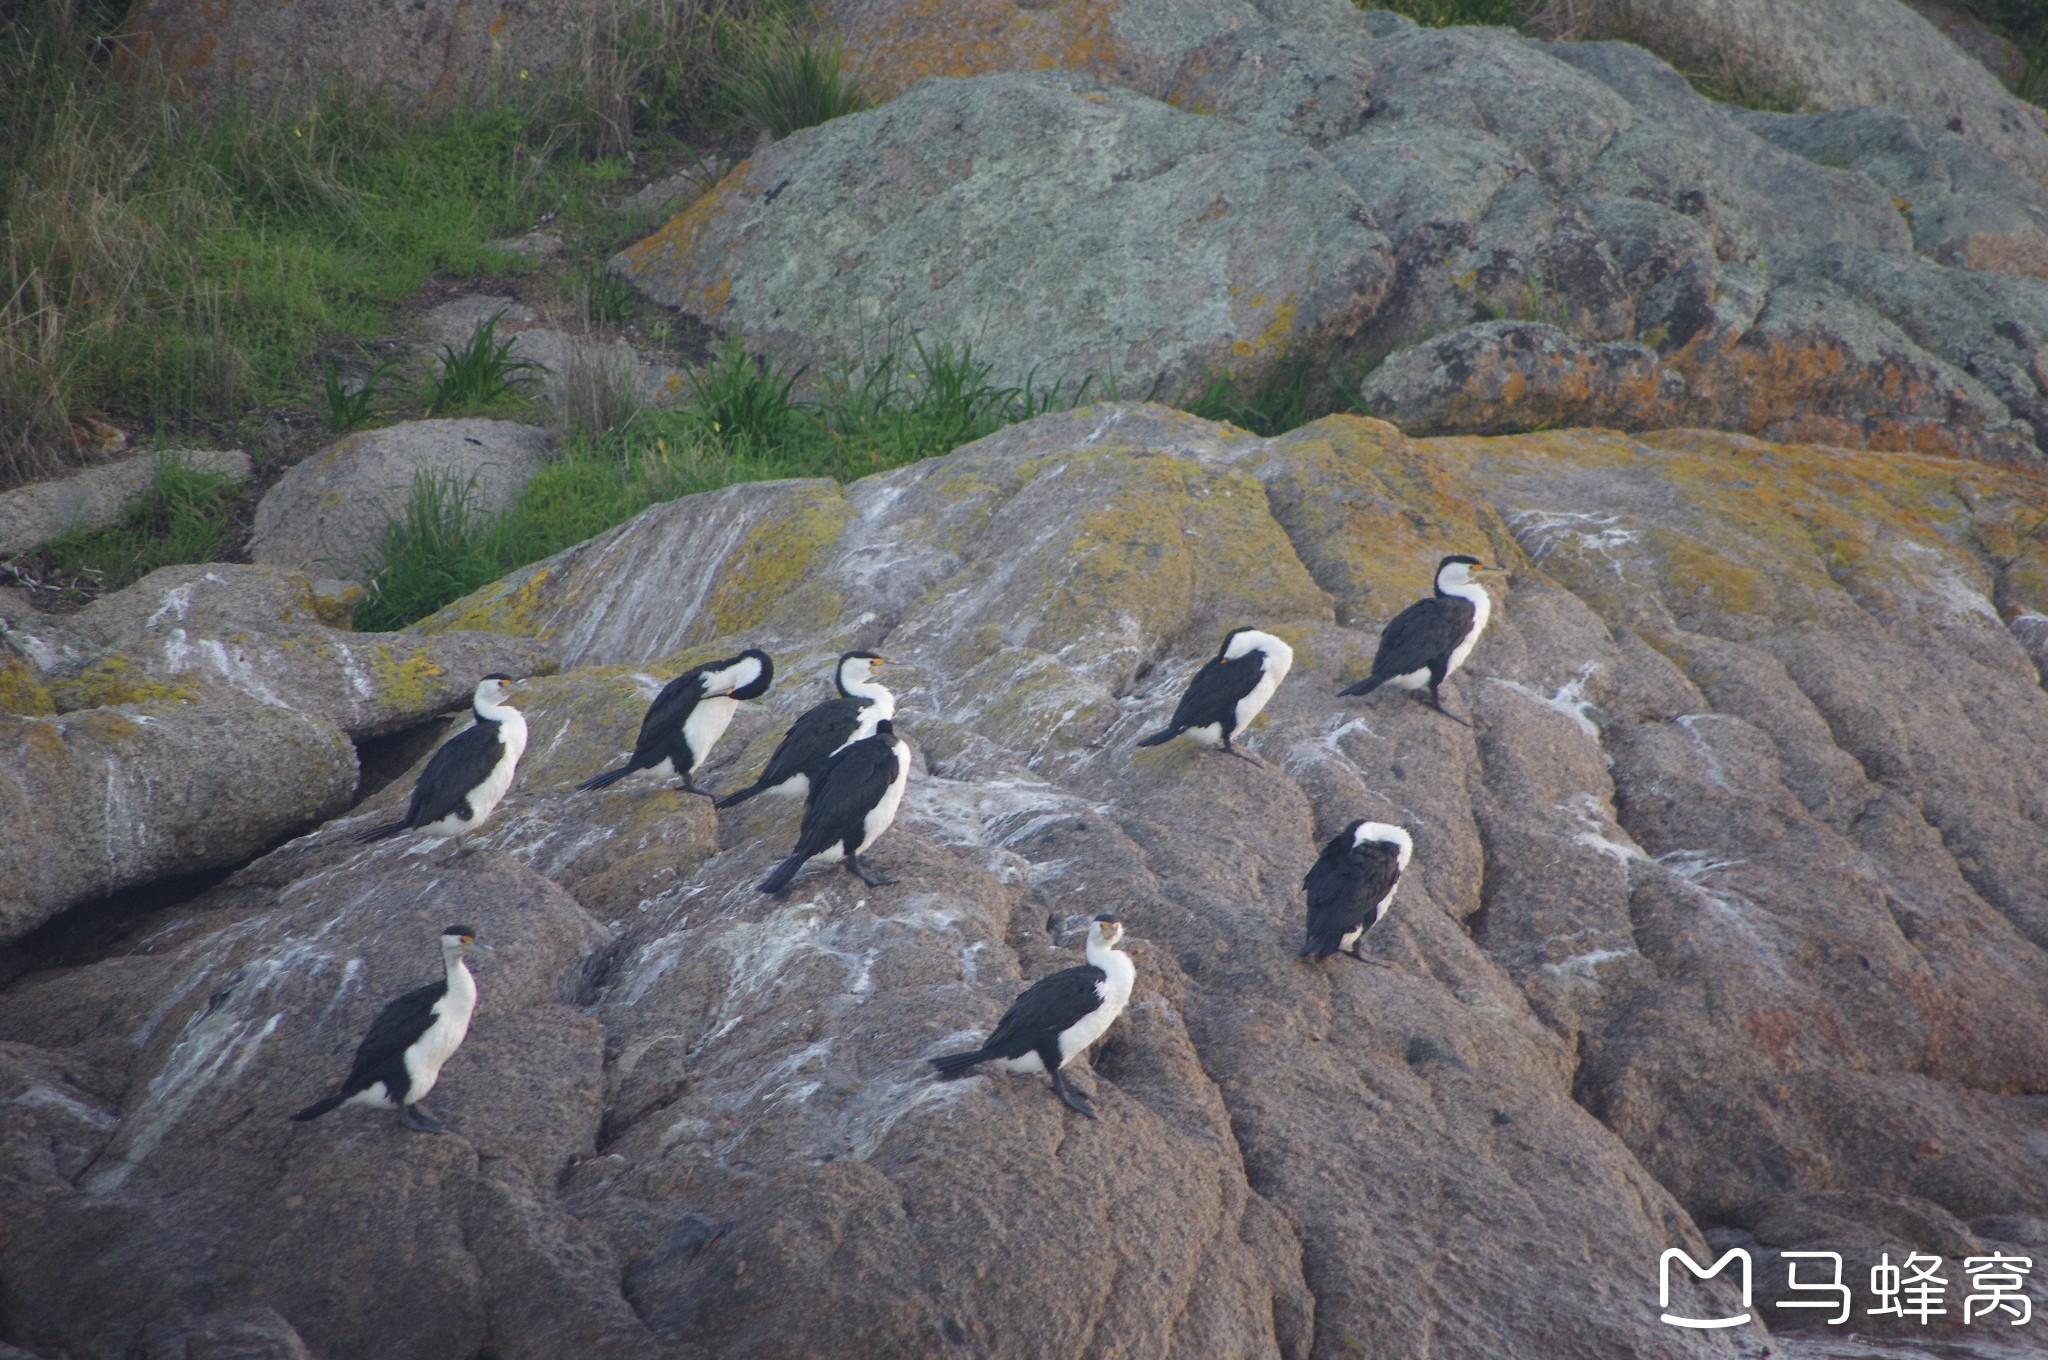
[(1023, 216), (109, 798), (1335, 189), (328, 513), (446, 51), (1836, 54), (31, 516), (1728, 910)]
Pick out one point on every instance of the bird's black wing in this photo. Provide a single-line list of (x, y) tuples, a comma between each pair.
[(1213, 694), (1345, 885), (394, 1030), (459, 766), (812, 739), (1420, 634), (1048, 1005), (666, 716), (852, 784)]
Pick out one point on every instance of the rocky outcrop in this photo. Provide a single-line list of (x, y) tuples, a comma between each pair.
[(195, 718), (327, 514), (31, 516), (1727, 913), (449, 51), (564, 356), (1337, 189)]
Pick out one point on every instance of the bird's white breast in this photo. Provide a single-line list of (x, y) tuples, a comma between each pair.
[(1482, 609), (512, 733), (1119, 973), (1275, 659), (884, 812), (451, 1022), (706, 724)]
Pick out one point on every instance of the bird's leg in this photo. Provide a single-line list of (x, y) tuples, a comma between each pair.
[(459, 849), (418, 1121), (1069, 1097), (1436, 702), (853, 865), (1356, 951)]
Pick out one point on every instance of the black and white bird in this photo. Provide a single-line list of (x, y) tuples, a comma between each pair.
[(1431, 638), (1351, 886), (852, 803), (801, 754), (400, 1058), (689, 716), (1059, 1016), (1228, 692), (469, 774)]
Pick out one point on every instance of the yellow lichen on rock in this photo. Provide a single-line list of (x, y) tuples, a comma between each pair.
[(113, 680), (767, 573), (512, 604), (21, 693)]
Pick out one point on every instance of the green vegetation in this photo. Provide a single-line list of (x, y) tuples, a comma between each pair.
[(185, 516), (348, 407), (1448, 13), (2025, 24), (480, 374), (783, 80), (743, 424)]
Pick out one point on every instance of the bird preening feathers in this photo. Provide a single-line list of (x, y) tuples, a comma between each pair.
[(689, 716), (1351, 886), (1228, 691)]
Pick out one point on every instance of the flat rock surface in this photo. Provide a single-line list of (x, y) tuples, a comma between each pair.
[(1727, 910), (327, 515), (1318, 186)]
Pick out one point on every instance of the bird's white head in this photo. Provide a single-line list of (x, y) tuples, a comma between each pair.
[(746, 676), (1386, 834), (858, 676), (459, 940), (1457, 571), (492, 691), (1105, 931), (1243, 640)]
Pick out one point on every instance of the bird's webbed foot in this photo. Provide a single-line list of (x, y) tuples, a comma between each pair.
[(859, 871), (1070, 1097), (418, 1121)]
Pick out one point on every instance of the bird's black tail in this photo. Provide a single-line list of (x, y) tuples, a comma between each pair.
[(1317, 949), (607, 779), (318, 1108), (735, 799), (379, 833), (1160, 738), (953, 1064), (1365, 686), (784, 872)]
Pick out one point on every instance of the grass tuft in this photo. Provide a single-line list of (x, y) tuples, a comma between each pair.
[(186, 515), (783, 80), (481, 373), (349, 405)]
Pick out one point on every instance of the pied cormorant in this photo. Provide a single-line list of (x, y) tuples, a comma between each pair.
[(1431, 638), (469, 774), (1351, 886), (1057, 1017), (852, 803), (1229, 690), (801, 755), (400, 1058), (689, 716)]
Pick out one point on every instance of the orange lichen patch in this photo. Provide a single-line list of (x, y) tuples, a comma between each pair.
[(675, 246), (894, 46), (1735, 534)]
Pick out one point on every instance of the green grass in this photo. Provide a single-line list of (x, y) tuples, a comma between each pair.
[(479, 374), (186, 515), (349, 406), (1449, 13), (782, 79), (743, 424)]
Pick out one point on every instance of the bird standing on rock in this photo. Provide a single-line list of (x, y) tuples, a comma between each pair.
[(469, 774), (1228, 691), (1431, 638), (853, 803), (812, 739), (1351, 886), (1057, 1017), (401, 1057), (689, 716)]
